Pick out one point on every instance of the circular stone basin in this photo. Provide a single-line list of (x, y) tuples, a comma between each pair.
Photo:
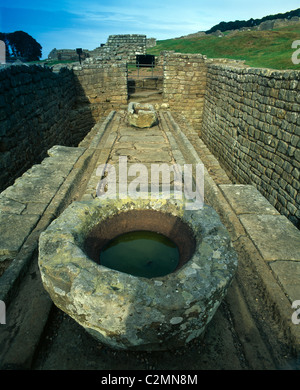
[(125, 311)]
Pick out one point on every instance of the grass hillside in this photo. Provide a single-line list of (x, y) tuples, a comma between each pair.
[(266, 49)]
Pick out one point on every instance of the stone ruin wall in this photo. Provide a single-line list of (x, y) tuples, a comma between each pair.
[(184, 84), (249, 118), (101, 87), (126, 39), (40, 108), (35, 114), (67, 55), (121, 48), (251, 123), (118, 48)]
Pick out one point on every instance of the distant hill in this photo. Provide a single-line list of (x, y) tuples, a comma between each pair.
[(262, 48), (238, 24)]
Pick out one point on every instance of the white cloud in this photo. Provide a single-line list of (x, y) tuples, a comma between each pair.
[(167, 19), (88, 23)]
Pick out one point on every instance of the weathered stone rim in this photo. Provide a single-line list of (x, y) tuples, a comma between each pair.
[(188, 297), (75, 234)]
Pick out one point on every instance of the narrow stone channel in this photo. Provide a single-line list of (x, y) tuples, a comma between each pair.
[(237, 337)]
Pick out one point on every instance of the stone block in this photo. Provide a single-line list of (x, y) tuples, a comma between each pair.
[(141, 115), (14, 229), (246, 199), (275, 236), (288, 275)]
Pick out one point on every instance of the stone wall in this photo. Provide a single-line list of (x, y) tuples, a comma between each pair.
[(101, 87), (150, 83), (150, 42), (67, 55), (40, 108), (249, 118), (125, 39), (184, 85), (121, 48), (117, 48), (251, 123), (35, 105)]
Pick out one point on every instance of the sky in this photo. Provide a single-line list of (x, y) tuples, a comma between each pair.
[(66, 24)]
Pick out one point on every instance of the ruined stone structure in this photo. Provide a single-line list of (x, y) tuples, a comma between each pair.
[(249, 118), (101, 87), (67, 55), (242, 122), (123, 48), (184, 84), (35, 114), (118, 47), (251, 123), (40, 108)]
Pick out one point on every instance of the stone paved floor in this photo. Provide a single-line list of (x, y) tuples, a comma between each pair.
[(139, 146), (244, 334), (234, 333)]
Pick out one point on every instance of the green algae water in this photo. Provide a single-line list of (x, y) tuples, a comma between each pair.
[(141, 253)]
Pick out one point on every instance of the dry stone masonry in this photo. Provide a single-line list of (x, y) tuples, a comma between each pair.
[(35, 112), (102, 87), (184, 84), (266, 241), (40, 108), (118, 47), (248, 117), (251, 123)]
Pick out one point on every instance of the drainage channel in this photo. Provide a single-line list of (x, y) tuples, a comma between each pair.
[(235, 338), (250, 286)]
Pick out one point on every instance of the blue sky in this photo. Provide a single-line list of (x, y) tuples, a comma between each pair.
[(66, 24)]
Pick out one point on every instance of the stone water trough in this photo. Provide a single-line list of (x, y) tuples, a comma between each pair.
[(141, 115), (129, 312)]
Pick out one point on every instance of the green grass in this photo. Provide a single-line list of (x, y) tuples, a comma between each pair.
[(264, 49)]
